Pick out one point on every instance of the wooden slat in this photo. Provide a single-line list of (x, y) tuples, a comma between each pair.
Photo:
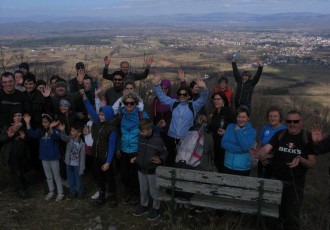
[(270, 210), (223, 191), (220, 179)]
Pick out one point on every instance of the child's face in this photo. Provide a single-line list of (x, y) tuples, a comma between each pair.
[(101, 117), (17, 118), (75, 133), (64, 108), (146, 132), (45, 123)]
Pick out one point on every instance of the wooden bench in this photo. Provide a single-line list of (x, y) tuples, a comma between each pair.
[(242, 194)]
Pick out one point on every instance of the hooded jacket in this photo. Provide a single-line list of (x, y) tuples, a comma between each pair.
[(104, 133), (237, 144)]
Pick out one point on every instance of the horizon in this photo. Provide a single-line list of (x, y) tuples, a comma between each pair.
[(39, 10)]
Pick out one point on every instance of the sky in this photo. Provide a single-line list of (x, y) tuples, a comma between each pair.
[(126, 8)]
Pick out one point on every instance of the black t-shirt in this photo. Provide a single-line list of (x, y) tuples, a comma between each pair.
[(286, 147)]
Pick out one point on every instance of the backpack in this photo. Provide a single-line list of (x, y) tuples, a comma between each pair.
[(304, 135), (190, 149)]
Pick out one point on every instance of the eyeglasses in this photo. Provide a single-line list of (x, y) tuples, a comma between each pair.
[(80, 67), (182, 94), (129, 103), (292, 121), (118, 79)]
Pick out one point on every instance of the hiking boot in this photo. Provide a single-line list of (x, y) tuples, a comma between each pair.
[(140, 210), (112, 200), (59, 197), (153, 214), (49, 196)]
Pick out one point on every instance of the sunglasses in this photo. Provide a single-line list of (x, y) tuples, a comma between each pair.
[(182, 94), (292, 121), (81, 67), (129, 103), (118, 79)]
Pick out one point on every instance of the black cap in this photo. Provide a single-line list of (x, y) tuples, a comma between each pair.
[(24, 65), (80, 64)]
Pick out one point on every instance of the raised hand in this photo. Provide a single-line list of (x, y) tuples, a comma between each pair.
[(55, 123), (157, 78), (46, 91), (27, 118), (201, 83), (149, 61), (61, 126), (107, 61), (259, 62), (97, 92), (181, 75)]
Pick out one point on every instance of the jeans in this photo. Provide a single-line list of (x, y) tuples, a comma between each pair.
[(74, 179)]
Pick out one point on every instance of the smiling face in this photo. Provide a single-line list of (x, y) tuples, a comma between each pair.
[(130, 104), (124, 66), (242, 118), (274, 119), (183, 96), (29, 86), (293, 123), (8, 84), (218, 103)]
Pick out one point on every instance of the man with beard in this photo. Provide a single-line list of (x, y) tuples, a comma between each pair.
[(112, 94)]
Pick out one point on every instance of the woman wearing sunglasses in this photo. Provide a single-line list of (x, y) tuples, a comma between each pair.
[(129, 119), (184, 112)]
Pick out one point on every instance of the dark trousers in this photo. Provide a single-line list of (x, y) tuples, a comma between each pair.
[(290, 209), (104, 177), (16, 165), (219, 158), (129, 175), (171, 148)]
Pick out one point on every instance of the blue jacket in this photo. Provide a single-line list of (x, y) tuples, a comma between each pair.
[(130, 131), (182, 116), (49, 149), (237, 145)]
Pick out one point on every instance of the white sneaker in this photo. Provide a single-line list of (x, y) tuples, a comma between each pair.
[(59, 197), (95, 196), (49, 196)]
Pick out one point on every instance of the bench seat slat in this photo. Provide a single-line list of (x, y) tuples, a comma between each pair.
[(219, 178)]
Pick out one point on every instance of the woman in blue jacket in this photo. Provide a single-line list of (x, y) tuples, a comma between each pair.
[(237, 141)]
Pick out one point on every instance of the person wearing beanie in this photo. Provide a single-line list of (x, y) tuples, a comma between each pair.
[(41, 85)]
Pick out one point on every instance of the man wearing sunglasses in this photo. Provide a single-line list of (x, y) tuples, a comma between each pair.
[(125, 69), (293, 156), (77, 83), (114, 93)]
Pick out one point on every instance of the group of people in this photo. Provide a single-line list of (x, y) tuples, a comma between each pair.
[(70, 127)]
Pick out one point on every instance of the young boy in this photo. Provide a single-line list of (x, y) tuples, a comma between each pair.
[(151, 153), (74, 159)]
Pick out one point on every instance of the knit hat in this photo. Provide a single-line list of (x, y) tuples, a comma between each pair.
[(80, 64), (64, 102), (24, 65), (60, 82), (40, 82), (166, 82)]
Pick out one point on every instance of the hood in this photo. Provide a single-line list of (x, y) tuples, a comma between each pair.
[(108, 112)]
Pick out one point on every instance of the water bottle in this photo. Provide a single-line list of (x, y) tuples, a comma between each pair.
[(222, 123)]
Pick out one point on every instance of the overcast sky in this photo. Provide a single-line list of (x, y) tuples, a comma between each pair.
[(125, 8)]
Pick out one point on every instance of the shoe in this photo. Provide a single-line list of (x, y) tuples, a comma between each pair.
[(127, 199), (65, 183), (134, 200), (49, 196), (96, 195), (140, 210), (101, 199), (153, 214), (59, 197), (71, 196), (113, 200)]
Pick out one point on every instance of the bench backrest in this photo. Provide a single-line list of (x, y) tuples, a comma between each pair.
[(222, 191)]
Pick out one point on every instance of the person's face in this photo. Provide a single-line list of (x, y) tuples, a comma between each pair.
[(101, 116), (242, 118), (129, 88), (183, 96), (130, 104), (60, 90), (87, 84), (25, 71), (245, 78), (41, 88), (17, 118), (274, 118), (74, 133), (45, 123), (218, 102), (124, 67), (8, 84), (195, 89), (223, 85), (165, 89), (18, 78), (52, 83), (146, 132), (117, 81), (80, 69), (29, 86), (293, 123), (64, 108)]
